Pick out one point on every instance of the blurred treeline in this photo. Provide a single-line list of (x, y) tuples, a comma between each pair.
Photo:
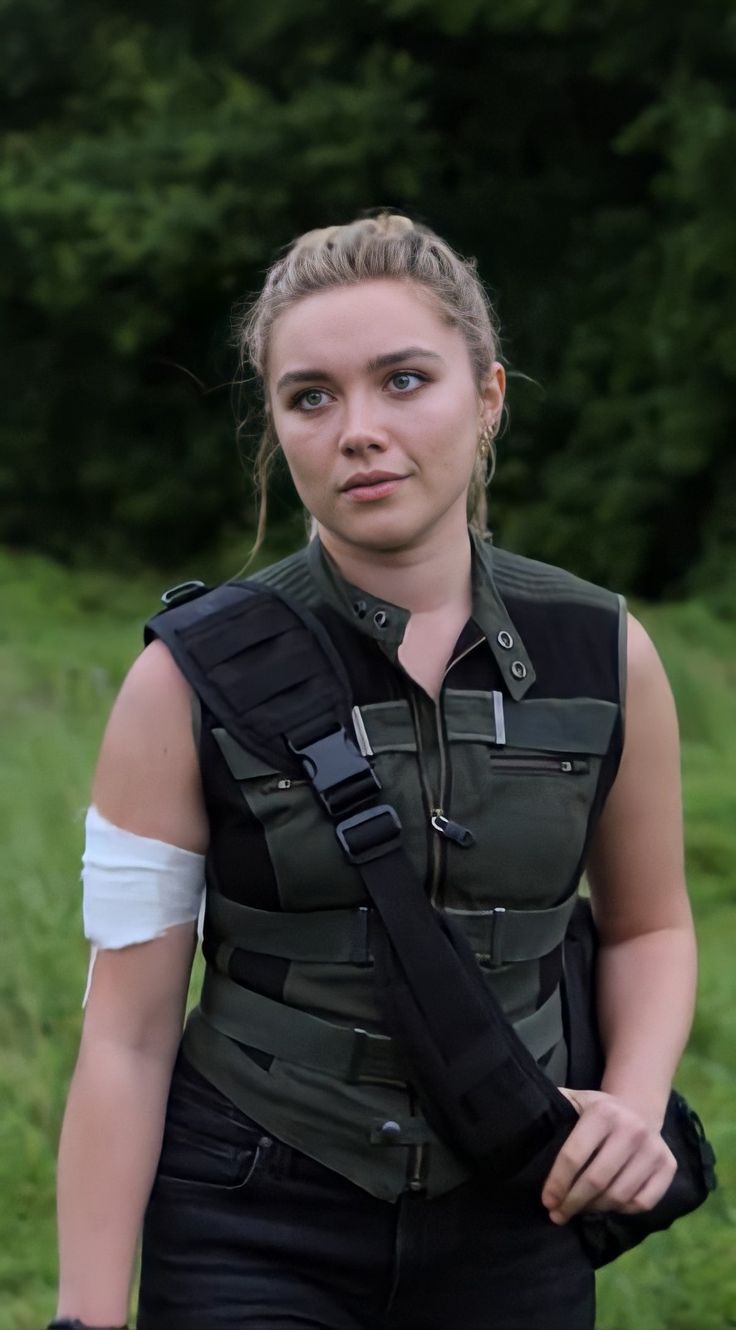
[(156, 155)]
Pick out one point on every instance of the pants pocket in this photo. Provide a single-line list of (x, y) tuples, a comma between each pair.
[(208, 1143)]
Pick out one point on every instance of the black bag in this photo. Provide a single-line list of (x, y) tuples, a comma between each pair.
[(608, 1235)]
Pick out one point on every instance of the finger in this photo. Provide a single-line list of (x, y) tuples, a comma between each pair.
[(602, 1186), (596, 1177), (574, 1097), (625, 1186), (652, 1191), (586, 1138)]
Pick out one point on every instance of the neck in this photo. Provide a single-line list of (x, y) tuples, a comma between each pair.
[(423, 578)]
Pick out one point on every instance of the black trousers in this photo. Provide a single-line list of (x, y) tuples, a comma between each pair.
[(242, 1231)]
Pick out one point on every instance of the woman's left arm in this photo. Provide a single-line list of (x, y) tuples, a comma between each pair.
[(615, 1158)]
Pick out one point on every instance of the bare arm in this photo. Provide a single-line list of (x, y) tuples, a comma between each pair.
[(147, 781), (647, 965)]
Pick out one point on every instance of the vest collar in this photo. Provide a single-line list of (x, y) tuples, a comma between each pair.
[(386, 622), (494, 621)]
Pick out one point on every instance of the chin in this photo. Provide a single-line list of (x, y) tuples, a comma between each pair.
[(381, 535)]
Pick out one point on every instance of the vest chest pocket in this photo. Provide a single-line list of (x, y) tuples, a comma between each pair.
[(524, 777), (311, 870)]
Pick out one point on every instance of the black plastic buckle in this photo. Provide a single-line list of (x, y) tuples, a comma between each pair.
[(338, 772), (376, 845)]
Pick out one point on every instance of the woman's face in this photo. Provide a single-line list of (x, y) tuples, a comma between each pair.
[(375, 404)]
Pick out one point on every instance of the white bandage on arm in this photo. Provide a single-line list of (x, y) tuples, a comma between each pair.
[(135, 888)]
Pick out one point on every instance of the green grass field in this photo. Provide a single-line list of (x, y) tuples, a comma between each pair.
[(65, 642)]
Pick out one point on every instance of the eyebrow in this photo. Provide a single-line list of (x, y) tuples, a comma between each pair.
[(379, 362)]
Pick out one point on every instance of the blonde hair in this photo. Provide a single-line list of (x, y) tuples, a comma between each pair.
[(386, 246)]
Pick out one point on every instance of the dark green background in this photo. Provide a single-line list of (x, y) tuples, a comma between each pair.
[(156, 155)]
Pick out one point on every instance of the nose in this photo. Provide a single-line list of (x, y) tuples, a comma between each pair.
[(362, 431)]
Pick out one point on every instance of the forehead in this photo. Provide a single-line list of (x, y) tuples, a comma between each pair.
[(349, 325)]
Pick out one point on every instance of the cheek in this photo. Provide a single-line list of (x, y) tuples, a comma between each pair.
[(453, 452), (307, 470)]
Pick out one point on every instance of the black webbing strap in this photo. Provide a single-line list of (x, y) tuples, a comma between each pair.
[(348, 1052), (498, 935), (483, 1089), (264, 667), (344, 1051), (268, 672)]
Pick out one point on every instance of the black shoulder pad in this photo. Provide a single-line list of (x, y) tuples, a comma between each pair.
[(264, 666)]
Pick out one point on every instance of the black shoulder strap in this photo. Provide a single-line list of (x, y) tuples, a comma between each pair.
[(269, 673)]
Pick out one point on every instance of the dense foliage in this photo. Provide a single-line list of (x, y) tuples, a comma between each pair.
[(154, 158)]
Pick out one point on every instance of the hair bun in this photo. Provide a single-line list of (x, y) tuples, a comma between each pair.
[(327, 237)]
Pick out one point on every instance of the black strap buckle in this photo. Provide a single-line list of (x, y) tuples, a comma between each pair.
[(338, 772), (370, 834)]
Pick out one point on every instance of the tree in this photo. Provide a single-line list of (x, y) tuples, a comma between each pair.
[(153, 165)]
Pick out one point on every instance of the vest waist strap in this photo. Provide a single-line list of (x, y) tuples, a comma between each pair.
[(499, 935), (338, 1050)]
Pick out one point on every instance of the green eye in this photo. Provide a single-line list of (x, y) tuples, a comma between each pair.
[(406, 380), (309, 400)]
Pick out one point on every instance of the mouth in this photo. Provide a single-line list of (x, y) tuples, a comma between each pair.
[(362, 488)]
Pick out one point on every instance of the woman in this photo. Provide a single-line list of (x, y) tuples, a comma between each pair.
[(384, 391)]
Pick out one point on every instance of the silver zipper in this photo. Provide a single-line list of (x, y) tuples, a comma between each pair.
[(462, 656), (282, 783), (529, 765), (435, 846), (435, 807), (440, 811), (453, 831)]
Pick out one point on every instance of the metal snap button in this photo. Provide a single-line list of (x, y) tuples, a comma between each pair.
[(505, 640), (360, 608), (390, 1130), (380, 618), (518, 669)]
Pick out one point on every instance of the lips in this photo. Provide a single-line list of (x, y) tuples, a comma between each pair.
[(364, 480)]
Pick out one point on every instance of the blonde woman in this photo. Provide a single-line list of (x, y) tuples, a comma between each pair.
[(274, 1191)]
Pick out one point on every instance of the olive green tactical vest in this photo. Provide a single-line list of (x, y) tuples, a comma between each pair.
[(498, 787)]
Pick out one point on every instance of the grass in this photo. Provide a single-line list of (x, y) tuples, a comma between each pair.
[(66, 640)]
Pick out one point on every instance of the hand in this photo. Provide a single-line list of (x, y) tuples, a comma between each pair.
[(613, 1159)]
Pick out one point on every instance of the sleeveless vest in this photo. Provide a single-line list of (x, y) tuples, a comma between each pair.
[(498, 786)]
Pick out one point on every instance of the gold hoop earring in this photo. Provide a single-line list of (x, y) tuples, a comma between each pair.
[(485, 442)]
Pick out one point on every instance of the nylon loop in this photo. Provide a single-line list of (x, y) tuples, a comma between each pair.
[(210, 642), (263, 685)]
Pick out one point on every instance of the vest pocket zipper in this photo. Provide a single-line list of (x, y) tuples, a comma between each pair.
[(451, 830), (573, 766)]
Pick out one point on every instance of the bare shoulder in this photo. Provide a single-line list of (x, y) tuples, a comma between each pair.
[(635, 864), (650, 707), (642, 655), (147, 778)]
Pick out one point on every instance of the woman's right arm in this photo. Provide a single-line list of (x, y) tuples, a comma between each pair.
[(147, 781)]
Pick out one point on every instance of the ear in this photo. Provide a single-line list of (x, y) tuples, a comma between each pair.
[(492, 393)]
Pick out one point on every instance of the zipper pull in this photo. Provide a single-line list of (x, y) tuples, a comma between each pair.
[(451, 830)]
